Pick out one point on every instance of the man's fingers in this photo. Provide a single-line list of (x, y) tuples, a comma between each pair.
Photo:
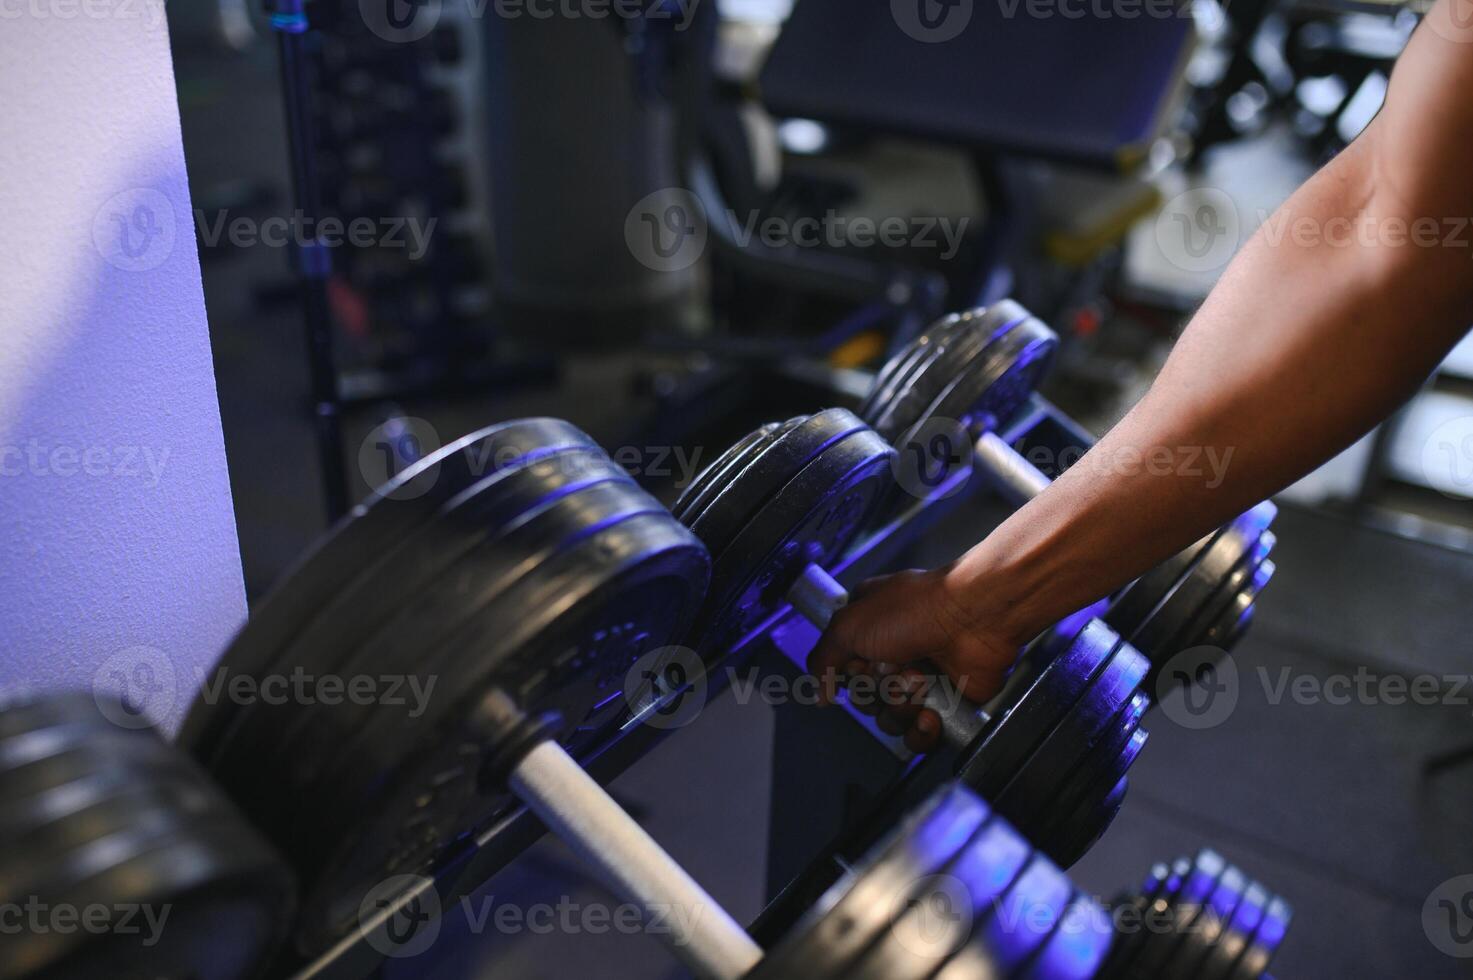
[(925, 733), (886, 621), (975, 683)]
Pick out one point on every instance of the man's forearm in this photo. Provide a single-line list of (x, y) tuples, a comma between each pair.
[(1308, 341)]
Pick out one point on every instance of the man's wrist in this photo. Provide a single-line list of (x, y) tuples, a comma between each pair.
[(982, 594)]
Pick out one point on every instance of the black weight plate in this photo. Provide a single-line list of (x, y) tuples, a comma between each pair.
[(784, 455), (757, 484), (221, 912), (1221, 605), (1018, 927), (1270, 933), (143, 829), (293, 734), (1102, 799), (1201, 956), (812, 520), (1238, 936), (710, 480), (1145, 906), (1135, 605), (967, 335), (980, 875), (1162, 632), (857, 911), (900, 373), (400, 609), (999, 379), (1026, 797), (1157, 634), (1224, 571), (624, 581), (1078, 947), (1032, 702), (369, 537), (616, 603), (1224, 632), (81, 839), (1084, 785), (883, 385), (1197, 882), (390, 609), (54, 755), (898, 369)]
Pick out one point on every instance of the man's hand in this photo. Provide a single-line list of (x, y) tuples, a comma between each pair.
[(912, 625)]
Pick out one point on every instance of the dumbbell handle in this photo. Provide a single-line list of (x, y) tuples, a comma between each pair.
[(1016, 478), (817, 597), (597, 828)]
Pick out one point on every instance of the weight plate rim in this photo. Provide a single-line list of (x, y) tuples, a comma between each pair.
[(654, 548), (864, 459), (293, 603), (290, 729)]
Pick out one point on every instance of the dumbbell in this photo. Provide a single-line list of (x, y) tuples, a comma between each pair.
[(779, 508), (955, 893), (119, 858), (971, 372), (520, 560), (1197, 919)]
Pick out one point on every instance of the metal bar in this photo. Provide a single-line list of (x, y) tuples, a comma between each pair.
[(1018, 480), (314, 262), (588, 820)]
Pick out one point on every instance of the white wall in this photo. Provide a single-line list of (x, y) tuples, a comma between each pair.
[(118, 555)]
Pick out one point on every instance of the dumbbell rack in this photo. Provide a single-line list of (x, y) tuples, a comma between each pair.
[(777, 645)]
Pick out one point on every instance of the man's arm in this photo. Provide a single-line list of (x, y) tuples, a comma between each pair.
[(1326, 321)]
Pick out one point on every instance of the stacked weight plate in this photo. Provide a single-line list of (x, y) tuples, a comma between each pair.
[(1065, 731), (519, 559), (974, 371), (121, 856), (1198, 919), (797, 493), (787, 496), (1200, 598), (976, 368), (955, 893)]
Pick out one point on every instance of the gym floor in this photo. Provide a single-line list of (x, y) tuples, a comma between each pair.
[(1355, 812)]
